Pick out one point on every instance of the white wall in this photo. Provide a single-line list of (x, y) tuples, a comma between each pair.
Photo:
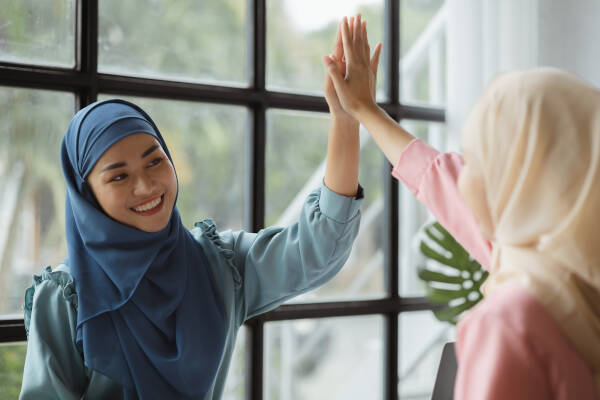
[(487, 37)]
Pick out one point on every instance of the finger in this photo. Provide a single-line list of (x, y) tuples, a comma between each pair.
[(341, 66), (346, 40), (338, 47), (357, 29), (375, 58), (351, 27), (333, 72), (366, 40)]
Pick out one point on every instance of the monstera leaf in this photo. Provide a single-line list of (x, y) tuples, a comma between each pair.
[(451, 276)]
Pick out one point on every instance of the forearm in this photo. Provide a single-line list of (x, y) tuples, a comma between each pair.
[(341, 172), (391, 138)]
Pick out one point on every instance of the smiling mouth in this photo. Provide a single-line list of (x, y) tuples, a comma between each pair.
[(151, 207)]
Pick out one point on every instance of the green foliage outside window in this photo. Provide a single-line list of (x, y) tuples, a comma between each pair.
[(12, 358)]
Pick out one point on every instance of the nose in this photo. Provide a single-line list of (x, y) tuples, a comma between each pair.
[(144, 185)]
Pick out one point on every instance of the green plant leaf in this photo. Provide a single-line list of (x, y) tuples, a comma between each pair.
[(454, 279), (451, 314)]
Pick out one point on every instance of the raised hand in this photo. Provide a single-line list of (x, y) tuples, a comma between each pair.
[(353, 76), (355, 87)]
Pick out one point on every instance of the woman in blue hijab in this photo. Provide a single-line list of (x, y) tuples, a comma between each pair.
[(144, 308)]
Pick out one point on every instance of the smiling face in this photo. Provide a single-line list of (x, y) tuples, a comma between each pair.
[(135, 183)]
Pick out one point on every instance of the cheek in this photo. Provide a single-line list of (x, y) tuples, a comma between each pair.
[(112, 199), (170, 180), (167, 179)]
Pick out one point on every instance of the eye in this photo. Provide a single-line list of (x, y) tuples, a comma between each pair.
[(154, 162), (118, 178)]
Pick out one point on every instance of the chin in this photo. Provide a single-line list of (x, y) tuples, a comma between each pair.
[(153, 227)]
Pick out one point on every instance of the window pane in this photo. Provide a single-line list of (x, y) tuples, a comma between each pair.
[(300, 33), (32, 201), (295, 166), (182, 40), (423, 52), (206, 142), (422, 338), (12, 360), (38, 32), (235, 385), (413, 214), (330, 358)]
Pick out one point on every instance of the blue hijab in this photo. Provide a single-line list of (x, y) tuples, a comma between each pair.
[(149, 315)]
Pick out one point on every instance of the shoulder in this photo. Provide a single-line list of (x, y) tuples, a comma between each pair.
[(514, 330), (497, 346), (512, 318), (219, 247), (54, 284), (511, 312)]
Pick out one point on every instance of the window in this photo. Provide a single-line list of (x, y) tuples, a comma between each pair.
[(238, 84)]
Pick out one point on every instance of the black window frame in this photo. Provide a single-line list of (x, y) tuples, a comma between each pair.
[(85, 82)]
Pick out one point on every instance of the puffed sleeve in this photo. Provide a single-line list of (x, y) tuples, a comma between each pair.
[(278, 263), (54, 367)]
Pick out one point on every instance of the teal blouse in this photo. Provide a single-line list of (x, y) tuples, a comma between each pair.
[(254, 273)]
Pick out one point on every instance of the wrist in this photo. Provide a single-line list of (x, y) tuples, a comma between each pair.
[(344, 120), (366, 109)]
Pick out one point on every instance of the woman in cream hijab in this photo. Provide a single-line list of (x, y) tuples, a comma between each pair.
[(532, 177), (525, 206)]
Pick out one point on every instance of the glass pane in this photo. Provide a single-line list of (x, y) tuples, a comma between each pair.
[(12, 360), (295, 166), (32, 201), (206, 142), (329, 358), (300, 33), (183, 40), (423, 52), (413, 214), (422, 338), (38, 32), (235, 385)]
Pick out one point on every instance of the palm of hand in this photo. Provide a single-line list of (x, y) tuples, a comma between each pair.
[(351, 81)]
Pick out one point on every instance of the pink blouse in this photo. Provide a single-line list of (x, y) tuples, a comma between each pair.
[(508, 346)]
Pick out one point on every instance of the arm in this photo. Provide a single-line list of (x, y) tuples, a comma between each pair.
[(279, 263), (53, 366), (343, 148), (431, 176)]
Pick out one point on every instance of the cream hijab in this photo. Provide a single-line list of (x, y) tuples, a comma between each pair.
[(535, 138)]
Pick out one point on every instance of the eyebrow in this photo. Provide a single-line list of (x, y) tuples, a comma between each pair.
[(122, 163), (150, 150)]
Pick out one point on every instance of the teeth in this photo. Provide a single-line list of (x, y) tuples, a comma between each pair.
[(149, 205)]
